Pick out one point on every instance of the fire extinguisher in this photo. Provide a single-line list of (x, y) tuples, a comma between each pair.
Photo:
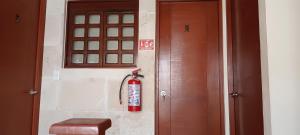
[(134, 91)]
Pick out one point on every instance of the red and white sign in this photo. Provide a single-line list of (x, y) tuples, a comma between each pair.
[(146, 44)]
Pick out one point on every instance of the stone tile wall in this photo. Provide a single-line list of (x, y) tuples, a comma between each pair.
[(68, 93)]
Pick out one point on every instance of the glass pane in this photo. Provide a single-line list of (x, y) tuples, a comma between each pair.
[(79, 19), (128, 18), (94, 32), (113, 19), (93, 45), (94, 19), (127, 58), (77, 58), (112, 32), (93, 58), (79, 32), (127, 45), (112, 45), (78, 45), (111, 58), (128, 32)]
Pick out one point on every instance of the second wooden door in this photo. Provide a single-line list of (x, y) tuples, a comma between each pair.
[(245, 71), (190, 97), (20, 25)]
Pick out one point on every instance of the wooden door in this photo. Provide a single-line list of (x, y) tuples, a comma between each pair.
[(245, 84), (189, 100), (19, 69)]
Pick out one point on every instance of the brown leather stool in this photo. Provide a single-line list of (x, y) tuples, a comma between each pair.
[(81, 126)]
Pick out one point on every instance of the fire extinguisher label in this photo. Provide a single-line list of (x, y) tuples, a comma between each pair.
[(134, 95)]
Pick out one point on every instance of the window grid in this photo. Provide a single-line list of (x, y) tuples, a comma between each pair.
[(86, 38), (120, 37), (102, 39)]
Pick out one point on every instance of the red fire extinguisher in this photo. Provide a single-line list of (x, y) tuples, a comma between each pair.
[(134, 91)]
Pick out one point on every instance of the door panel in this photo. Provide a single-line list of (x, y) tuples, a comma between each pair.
[(189, 69), (246, 68), (18, 54)]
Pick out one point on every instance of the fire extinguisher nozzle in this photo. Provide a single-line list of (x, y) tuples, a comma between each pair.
[(139, 75)]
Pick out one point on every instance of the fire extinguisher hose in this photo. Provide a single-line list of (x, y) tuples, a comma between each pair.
[(121, 87)]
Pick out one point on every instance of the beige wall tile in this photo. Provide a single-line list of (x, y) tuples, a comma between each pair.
[(94, 92)]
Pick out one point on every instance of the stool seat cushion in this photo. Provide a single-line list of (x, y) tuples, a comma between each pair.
[(81, 126)]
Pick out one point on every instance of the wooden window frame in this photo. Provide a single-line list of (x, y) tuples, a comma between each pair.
[(103, 8)]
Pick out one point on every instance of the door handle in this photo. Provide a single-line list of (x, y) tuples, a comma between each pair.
[(234, 94), (31, 92), (163, 93)]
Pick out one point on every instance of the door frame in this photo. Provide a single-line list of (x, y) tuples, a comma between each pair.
[(221, 67), (38, 66), (232, 118)]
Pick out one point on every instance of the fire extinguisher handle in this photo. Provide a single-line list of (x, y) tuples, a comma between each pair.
[(139, 75)]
